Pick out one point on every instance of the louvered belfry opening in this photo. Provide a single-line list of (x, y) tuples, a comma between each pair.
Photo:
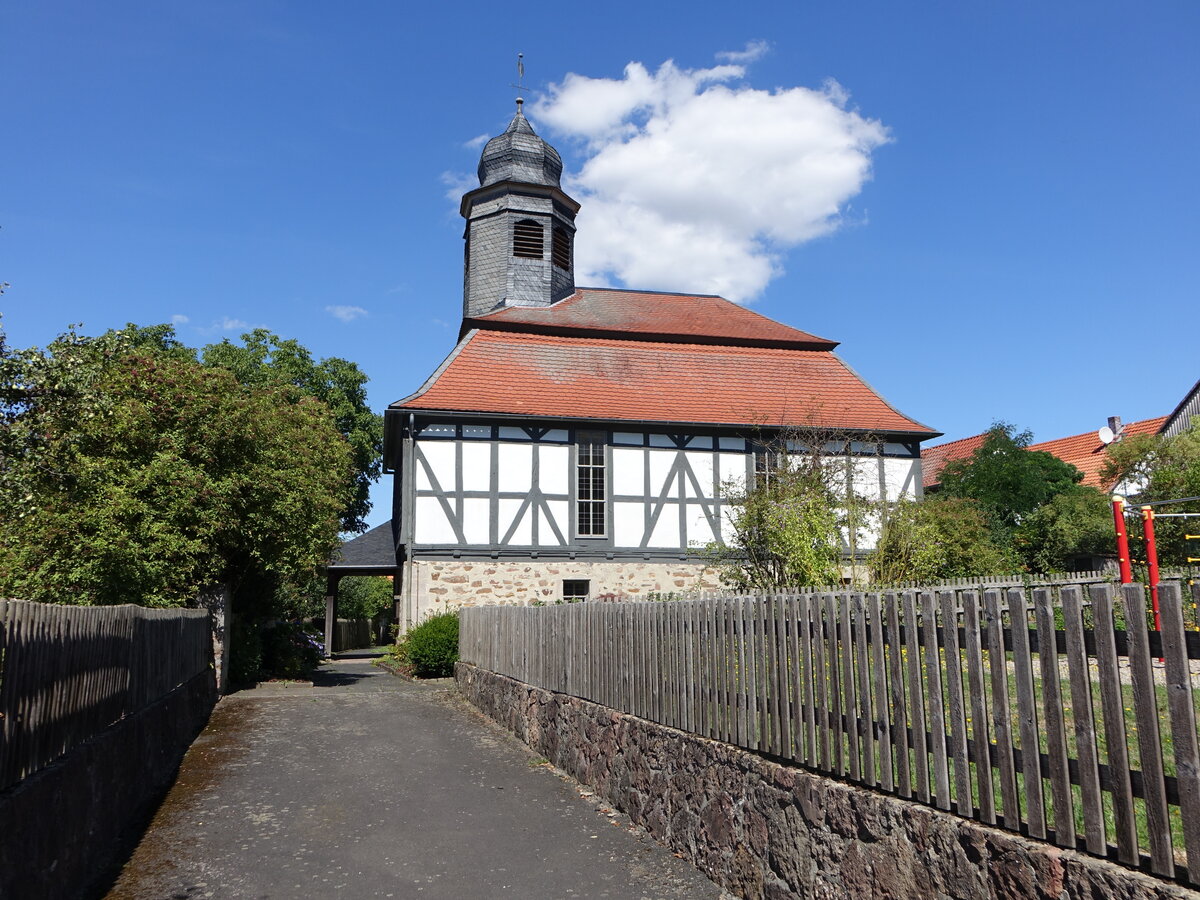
[(560, 248), (529, 240)]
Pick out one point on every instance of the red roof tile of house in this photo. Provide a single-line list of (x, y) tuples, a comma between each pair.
[(934, 459), (1083, 451), (1086, 453), (643, 315), (605, 378)]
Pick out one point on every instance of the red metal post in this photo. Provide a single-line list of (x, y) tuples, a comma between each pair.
[(1122, 540), (1151, 562)]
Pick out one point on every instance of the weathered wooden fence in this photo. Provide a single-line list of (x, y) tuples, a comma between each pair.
[(1054, 718), (352, 634), (68, 672)]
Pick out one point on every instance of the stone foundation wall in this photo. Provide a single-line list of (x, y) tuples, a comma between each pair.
[(762, 829), (449, 584)]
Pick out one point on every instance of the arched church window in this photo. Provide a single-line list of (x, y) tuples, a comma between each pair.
[(560, 247), (529, 239)]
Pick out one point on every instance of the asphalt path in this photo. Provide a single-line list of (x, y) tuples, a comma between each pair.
[(368, 785)]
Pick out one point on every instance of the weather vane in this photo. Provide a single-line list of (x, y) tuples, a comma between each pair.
[(520, 85)]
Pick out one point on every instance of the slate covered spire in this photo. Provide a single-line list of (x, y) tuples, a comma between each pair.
[(520, 234), (519, 155)]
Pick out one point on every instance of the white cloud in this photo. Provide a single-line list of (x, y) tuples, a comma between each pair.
[(178, 319), (346, 313), (457, 184), (691, 184), (226, 323), (478, 141), (753, 51)]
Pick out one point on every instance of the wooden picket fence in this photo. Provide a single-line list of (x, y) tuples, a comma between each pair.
[(352, 634), (68, 672), (1045, 712)]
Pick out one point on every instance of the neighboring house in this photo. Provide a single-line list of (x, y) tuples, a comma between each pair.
[(1180, 418), (1084, 451), (575, 441)]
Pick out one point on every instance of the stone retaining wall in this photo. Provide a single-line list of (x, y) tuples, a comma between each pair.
[(63, 828), (766, 830)]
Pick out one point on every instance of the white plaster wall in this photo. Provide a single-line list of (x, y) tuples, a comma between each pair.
[(432, 526), (477, 466), (628, 472), (515, 470), (554, 466)]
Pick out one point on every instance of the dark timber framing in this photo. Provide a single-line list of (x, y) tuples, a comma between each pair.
[(410, 429)]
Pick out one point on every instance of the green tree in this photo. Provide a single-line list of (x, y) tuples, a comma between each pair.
[(1007, 479), (1161, 468), (785, 529), (131, 473), (364, 596), (266, 360), (936, 539), (1077, 522)]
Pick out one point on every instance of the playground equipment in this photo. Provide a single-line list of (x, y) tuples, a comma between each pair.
[(1148, 517)]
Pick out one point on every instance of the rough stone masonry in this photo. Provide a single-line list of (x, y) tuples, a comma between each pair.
[(766, 830)]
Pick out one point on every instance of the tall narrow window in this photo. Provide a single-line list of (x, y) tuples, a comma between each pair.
[(560, 247), (589, 484), (529, 239)]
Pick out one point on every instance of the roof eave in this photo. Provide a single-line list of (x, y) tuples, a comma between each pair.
[(658, 423), (490, 324)]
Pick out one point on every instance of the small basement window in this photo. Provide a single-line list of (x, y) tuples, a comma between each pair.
[(560, 249), (529, 239), (576, 590)]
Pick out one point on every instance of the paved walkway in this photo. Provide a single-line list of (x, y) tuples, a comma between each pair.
[(367, 785)]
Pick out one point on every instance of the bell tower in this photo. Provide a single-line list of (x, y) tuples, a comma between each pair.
[(520, 234)]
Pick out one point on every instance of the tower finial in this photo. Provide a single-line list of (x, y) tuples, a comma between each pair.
[(520, 85)]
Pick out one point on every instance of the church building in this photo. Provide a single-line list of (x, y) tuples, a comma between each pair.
[(574, 443)]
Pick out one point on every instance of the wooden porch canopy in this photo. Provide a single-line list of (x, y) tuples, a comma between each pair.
[(371, 553)]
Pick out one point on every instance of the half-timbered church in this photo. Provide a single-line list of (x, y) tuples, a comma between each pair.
[(575, 441)]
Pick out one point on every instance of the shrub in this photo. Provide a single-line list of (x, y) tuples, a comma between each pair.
[(432, 647), (245, 652), (288, 652)]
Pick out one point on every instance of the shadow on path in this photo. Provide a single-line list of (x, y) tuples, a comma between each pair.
[(367, 785)]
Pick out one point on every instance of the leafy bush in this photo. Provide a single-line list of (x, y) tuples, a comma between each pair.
[(431, 649), (289, 652), (938, 538), (245, 652)]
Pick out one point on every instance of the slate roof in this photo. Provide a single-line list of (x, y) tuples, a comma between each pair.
[(649, 316), (545, 375), (519, 155), (372, 549), (1086, 453)]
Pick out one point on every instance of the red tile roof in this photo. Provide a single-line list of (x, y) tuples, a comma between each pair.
[(605, 378), (1086, 453), (1083, 451), (934, 459), (641, 315)]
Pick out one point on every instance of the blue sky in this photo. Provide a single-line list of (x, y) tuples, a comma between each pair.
[(1013, 235)]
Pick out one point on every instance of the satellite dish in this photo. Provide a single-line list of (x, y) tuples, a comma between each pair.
[(1106, 435)]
